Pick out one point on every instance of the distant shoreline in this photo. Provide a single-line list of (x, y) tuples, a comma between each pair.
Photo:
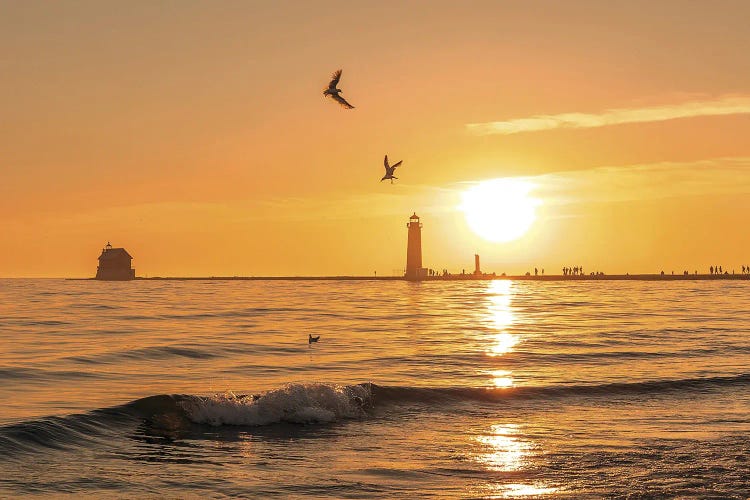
[(460, 277)]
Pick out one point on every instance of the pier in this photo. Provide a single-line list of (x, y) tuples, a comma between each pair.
[(471, 277)]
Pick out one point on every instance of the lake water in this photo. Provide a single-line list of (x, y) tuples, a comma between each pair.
[(443, 389)]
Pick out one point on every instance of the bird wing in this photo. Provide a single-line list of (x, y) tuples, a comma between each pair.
[(385, 162), (393, 167), (342, 101), (335, 77)]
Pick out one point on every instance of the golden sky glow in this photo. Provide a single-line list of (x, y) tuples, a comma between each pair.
[(195, 134)]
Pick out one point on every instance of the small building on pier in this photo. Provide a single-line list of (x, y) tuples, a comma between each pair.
[(115, 265)]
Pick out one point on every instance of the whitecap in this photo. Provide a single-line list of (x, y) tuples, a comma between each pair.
[(293, 403)]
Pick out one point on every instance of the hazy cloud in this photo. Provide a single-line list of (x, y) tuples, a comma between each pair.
[(719, 176), (729, 105), (608, 184)]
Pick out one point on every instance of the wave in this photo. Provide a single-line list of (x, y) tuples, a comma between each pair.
[(314, 403), (173, 415), (21, 374), (21, 321), (492, 394), (153, 353), (55, 432), (294, 403), (235, 313), (162, 352)]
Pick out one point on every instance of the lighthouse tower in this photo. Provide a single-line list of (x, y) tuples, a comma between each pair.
[(414, 269)]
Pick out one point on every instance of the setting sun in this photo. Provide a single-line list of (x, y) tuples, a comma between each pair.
[(499, 210)]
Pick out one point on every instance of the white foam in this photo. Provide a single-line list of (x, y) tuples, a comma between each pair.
[(296, 403)]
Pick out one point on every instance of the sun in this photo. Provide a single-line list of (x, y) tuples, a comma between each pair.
[(499, 210)]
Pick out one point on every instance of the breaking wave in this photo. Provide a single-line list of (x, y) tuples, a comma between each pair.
[(314, 403), (295, 403)]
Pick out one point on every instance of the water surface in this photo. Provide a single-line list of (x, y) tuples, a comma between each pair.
[(445, 389)]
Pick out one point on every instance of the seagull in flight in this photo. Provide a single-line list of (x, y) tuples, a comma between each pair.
[(333, 92), (389, 170)]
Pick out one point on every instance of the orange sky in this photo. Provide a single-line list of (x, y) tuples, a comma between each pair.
[(195, 134)]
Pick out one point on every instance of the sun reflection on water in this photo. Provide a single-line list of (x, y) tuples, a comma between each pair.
[(504, 343), (505, 450), (501, 317), (525, 490), (502, 378), (503, 447)]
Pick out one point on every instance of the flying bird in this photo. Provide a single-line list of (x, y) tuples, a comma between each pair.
[(389, 170), (333, 92)]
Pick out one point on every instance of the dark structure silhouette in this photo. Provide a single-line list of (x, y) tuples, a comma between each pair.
[(414, 269), (477, 271), (114, 265)]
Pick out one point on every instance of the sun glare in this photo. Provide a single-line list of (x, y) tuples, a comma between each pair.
[(499, 210)]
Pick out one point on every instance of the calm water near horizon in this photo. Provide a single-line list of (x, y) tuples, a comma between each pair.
[(467, 389)]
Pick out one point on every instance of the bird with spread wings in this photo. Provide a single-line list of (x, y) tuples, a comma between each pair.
[(389, 169), (333, 92)]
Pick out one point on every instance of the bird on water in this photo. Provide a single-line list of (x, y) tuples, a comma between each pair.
[(311, 339), (389, 169), (333, 92)]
